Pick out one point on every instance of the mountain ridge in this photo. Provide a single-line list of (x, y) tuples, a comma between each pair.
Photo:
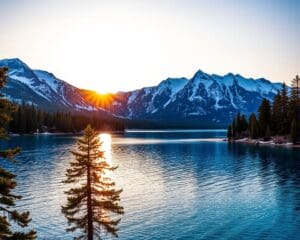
[(204, 97)]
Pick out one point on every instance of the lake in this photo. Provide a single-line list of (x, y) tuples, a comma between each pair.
[(176, 185)]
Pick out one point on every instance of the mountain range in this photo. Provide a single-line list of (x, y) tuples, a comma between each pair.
[(205, 98)]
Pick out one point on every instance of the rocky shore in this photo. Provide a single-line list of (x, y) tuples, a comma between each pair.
[(273, 141)]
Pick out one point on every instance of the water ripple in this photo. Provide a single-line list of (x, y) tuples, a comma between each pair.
[(176, 185)]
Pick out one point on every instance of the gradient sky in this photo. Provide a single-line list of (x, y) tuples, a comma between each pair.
[(124, 45)]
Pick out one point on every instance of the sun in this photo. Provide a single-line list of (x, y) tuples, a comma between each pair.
[(103, 100)]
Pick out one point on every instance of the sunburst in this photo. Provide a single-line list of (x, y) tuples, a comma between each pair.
[(98, 99)]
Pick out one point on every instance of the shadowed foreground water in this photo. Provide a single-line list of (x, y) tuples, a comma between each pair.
[(176, 185)]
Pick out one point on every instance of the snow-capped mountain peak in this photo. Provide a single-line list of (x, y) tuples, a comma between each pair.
[(204, 97), (41, 88)]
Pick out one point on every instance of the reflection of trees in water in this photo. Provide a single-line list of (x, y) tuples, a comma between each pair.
[(277, 165)]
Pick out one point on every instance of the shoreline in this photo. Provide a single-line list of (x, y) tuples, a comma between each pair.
[(260, 142), (40, 134), (58, 133)]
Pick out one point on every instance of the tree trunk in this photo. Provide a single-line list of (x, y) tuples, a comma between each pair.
[(89, 200)]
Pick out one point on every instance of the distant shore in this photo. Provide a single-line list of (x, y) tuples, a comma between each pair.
[(57, 133), (261, 142)]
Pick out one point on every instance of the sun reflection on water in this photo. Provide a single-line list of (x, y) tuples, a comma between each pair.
[(105, 139)]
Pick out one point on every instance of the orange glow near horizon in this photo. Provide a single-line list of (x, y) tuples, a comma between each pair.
[(98, 99), (124, 45)]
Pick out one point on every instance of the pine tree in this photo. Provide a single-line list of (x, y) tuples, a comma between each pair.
[(294, 131), (34, 123), (7, 180), (229, 132), (23, 119), (238, 126), (243, 124), (292, 110), (284, 123), (294, 101), (276, 114), (296, 88), (264, 117), (14, 123), (253, 127), (267, 134), (40, 119), (233, 127), (89, 206)]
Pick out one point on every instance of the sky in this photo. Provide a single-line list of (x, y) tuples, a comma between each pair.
[(111, 46)]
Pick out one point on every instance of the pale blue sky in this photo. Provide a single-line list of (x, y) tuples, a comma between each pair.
[(123, 45)]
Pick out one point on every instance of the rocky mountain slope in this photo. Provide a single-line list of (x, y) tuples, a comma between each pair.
[(204, 97), (42, 88)]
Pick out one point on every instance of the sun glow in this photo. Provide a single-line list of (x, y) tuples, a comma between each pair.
[(111, 46), (98, 99)]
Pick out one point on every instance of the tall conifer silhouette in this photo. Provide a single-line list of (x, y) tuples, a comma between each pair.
[(9, 216), (93, 205)]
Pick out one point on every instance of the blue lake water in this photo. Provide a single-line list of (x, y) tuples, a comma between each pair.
[(176, 185)]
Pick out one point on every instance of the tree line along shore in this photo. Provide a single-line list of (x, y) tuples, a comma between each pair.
[(274, 123), (28, 119)]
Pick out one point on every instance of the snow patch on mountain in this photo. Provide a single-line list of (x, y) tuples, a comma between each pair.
[(132, 97), (49, 79), (171, 85)]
